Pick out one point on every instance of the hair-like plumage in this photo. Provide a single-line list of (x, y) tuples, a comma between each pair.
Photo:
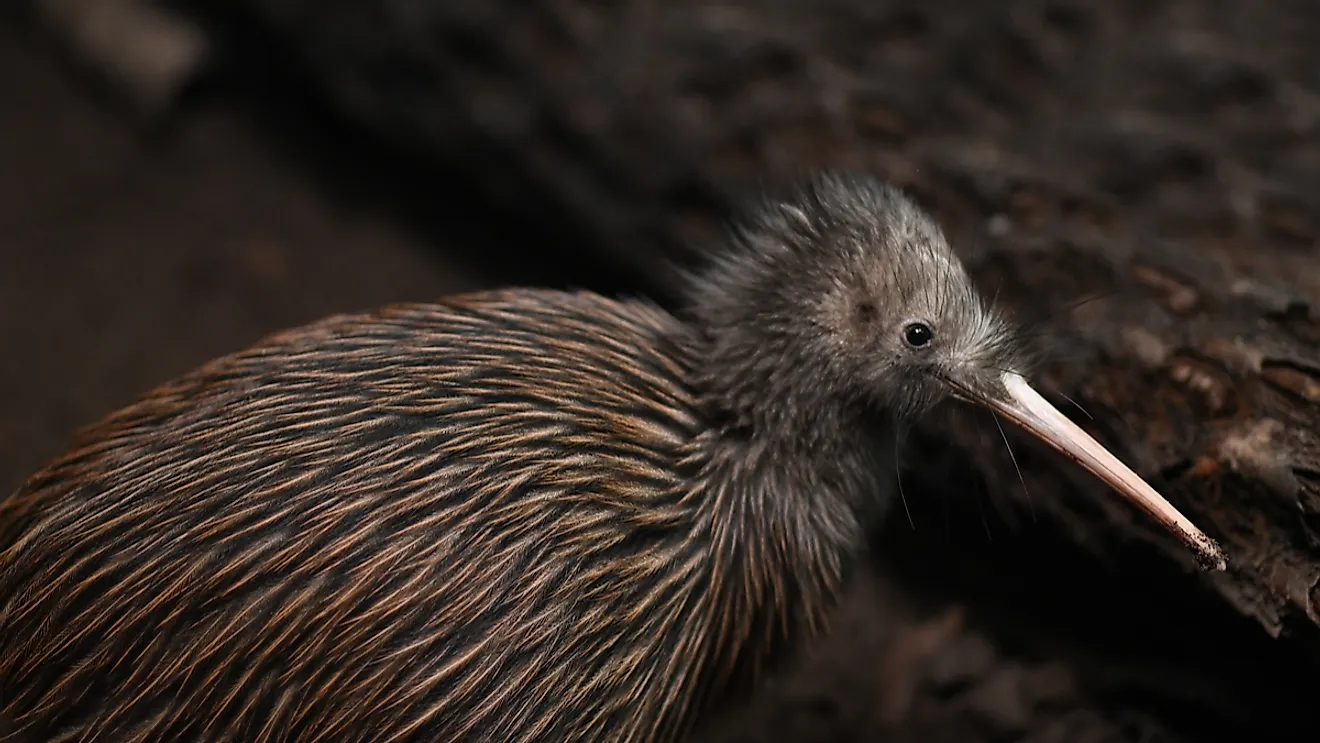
[(519, 516)]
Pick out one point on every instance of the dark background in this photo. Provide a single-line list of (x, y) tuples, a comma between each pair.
[(130, 257), (133, 248)]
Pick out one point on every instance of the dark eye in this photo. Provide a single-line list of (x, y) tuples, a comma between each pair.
[(918, 334)]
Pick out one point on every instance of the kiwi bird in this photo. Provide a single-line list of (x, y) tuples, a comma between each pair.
[(515, 515)]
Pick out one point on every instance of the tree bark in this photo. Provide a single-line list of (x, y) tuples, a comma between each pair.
[(1141, 180)]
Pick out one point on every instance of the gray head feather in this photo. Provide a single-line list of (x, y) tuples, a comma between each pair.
[(844, 294)]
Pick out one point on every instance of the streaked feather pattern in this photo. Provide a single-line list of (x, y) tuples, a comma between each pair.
[(508, 516)]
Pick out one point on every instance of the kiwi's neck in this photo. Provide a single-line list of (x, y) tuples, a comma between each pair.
[(785, 517)]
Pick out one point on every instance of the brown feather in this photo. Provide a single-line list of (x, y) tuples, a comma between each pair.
[(493, 518)]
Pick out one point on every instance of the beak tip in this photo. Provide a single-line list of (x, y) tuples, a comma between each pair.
[(1210, 556)]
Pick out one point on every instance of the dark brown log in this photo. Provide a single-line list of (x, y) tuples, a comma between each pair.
[(1141, 179)]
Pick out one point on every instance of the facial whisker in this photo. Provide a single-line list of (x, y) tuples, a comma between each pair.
[(1077, 405), (1084, 301), (1058, 312), (898, 471), (1030, 505)]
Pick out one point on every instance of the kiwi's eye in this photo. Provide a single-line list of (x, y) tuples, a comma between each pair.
[(918, 334)]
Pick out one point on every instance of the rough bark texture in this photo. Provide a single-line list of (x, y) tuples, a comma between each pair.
[(1141, 179)]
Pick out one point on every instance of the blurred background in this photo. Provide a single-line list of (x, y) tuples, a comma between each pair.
[(1138, 179)]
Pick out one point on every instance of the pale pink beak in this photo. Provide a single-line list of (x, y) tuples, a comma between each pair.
[(1025, 407)]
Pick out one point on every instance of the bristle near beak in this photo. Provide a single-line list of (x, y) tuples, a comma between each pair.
[(1024, 406)]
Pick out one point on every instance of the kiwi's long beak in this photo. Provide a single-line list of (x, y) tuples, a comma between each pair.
[(1025, 407)]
